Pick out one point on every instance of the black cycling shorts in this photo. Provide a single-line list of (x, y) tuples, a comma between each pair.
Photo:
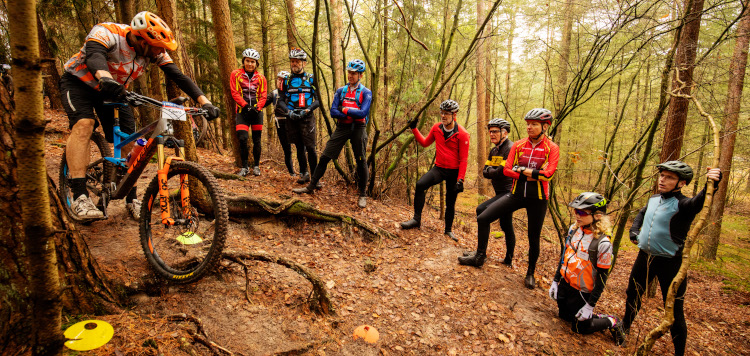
[(251, 120), (81, 101)]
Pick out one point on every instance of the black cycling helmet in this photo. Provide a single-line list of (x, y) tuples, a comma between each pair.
[(590, 201), (678, 167), (539, 114), (499, 123), (449, 106)]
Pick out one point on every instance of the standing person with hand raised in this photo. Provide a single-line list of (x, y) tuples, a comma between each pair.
[(249, 91), (298, 92), (499, 130), (582, 272), (659, 230), (351, 106), (451, 156)]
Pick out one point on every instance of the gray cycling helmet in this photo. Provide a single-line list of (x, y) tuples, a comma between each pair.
[(539, 114), (499, 123), (297, 53), (590, 201), (283, 74), (678, 167), (449, 106)]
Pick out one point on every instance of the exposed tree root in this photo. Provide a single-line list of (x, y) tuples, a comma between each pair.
[(224, 175), (247, 204), (320, 301), (199, 335)]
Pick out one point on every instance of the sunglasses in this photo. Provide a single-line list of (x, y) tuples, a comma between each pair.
[(582, 213), (494, 131)]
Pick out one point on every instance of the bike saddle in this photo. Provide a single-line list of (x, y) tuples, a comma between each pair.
[(180, 100)]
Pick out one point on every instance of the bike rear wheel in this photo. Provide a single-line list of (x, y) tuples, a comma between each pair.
[(98, 173), (186, 251)]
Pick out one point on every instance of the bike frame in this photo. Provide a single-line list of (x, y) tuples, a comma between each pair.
[(154, 145)]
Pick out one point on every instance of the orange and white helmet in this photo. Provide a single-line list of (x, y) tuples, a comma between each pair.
[(154, 30)]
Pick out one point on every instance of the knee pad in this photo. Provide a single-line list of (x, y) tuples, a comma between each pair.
[(242, 136)]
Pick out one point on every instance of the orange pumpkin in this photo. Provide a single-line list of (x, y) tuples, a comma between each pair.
[(367, 333)]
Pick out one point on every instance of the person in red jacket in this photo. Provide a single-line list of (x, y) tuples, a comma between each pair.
[(531, 163), (249, 91), (452, 152)]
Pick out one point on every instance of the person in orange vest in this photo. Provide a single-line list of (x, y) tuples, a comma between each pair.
[(249, 91), (113, 56), (582, 272)]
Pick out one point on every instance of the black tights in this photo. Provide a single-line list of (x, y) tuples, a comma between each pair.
[(285, 145), (506, 224), (432, 177), (242, 136), (569, 302), (665, 269), (536, 209)]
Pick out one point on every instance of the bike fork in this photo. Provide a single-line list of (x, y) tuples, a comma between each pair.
[(162, 174)]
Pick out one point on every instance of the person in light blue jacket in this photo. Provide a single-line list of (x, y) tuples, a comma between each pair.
[(659, 230)]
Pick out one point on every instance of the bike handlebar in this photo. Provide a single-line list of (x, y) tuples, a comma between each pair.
[(136, 99)]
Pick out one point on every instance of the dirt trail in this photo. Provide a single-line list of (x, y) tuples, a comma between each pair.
[(418, 297)]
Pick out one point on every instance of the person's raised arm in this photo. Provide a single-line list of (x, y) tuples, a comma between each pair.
[(423, 141)]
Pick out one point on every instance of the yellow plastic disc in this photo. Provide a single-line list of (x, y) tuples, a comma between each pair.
[(189, 238), (88, 335)]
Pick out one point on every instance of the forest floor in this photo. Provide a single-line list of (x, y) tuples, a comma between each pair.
[(418, 297)]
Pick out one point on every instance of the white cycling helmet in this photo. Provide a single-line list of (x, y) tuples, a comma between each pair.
[(283, 74), (298, 53), (251, 53), (449, 106)]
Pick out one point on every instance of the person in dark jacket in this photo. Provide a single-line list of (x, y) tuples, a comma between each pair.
[(659, 230), (499, 130), (280, 113)]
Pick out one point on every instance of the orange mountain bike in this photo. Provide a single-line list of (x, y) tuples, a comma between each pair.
[(183, 219)]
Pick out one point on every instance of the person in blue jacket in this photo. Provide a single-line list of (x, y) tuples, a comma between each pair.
[(351, 108), (659, 230)]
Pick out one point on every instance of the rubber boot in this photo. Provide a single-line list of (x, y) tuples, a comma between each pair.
[(475, 260), (411, 224)]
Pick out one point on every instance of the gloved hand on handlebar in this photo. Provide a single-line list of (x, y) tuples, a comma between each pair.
[(111, 89), (211, 111)]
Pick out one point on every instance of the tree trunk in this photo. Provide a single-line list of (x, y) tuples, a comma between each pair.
[(336, 53), (729, 133), (291, 40), (33, 195), (685, 63), (509, 62), (481, 75), (225, 44), (264, 28), (51, 75)]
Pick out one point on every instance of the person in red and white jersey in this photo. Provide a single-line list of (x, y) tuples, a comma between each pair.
[(113, 56), (451, 156), (249, 91), (531, 163)]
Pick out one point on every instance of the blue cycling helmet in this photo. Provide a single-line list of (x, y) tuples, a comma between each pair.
[(356, 65)]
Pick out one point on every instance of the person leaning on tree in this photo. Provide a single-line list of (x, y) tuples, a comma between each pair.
[(298, 92), (659, 230), (249, 91), (499, 130), (451, 156), (113, 56), (351, 106)]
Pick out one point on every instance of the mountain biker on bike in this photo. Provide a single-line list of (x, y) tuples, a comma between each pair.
[(249, 89), (493, 170), (113, 56), (451, 156), (351, 106), (531, 163), (582, 272), (280, 113), (659, 230), (298, 91)]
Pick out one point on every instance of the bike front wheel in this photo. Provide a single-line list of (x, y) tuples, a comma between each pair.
[(186, 250)]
